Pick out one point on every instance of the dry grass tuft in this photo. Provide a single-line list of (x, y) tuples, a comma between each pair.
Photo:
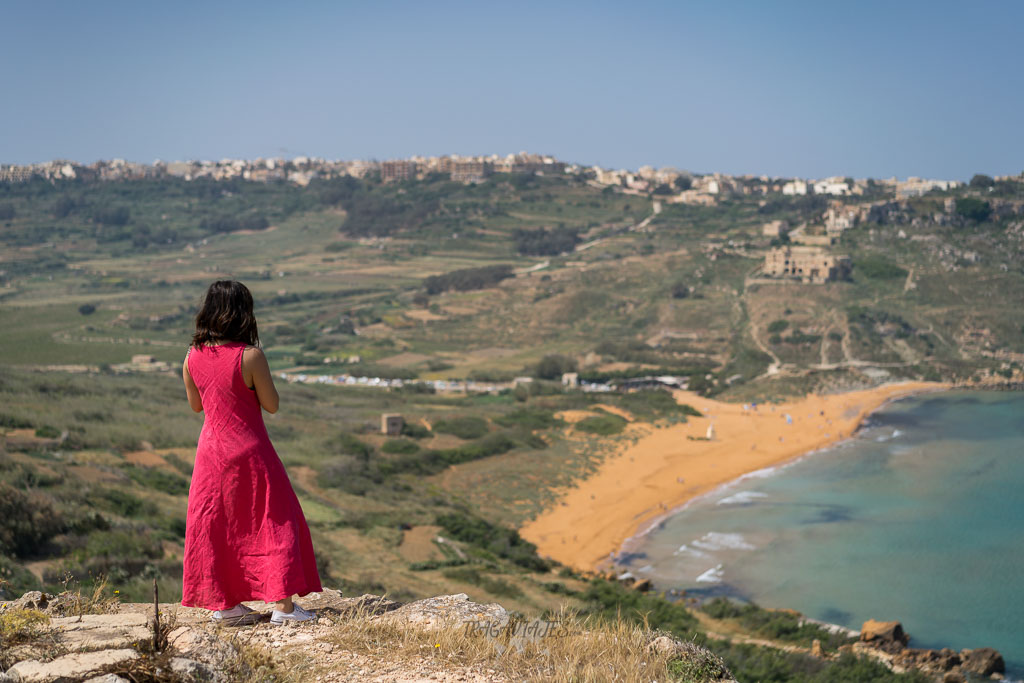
[(74, 604), (20, 627), (563, 648), (254, 664)]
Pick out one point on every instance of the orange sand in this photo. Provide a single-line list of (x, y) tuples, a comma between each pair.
[(663, 469)]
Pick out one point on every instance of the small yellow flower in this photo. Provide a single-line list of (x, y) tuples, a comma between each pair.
[(437, 645), (117, 592)]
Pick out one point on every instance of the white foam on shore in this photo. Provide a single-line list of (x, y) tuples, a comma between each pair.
[(742, 498), (713, 575), (710, 495), (715, 540), (685, 549), (843, 443), (882, 438), (763, 473)]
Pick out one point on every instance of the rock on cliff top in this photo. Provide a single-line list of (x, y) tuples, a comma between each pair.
[(368, 638)]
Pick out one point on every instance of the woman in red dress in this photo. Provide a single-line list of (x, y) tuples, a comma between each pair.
[(245, 535)]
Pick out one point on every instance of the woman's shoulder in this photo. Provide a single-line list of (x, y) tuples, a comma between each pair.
[(252, 354)]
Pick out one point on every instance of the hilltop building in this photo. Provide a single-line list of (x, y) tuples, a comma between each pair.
[(402, 169), (835, 186), (814, 265), (915, 187), (693, 197), (795, 187), (840, 217), (470, 170), (716, 183), (528, 163)]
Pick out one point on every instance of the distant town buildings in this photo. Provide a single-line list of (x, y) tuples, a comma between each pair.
[(795, 187), (470, 170), (51, 170), (398, 170), (814, 265), (834, 186), (672, 185), (915, 187), (301, 170)]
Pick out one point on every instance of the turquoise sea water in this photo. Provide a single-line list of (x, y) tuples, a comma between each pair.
[(919, 518)]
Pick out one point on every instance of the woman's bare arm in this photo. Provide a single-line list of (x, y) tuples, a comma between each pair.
[(254, 364), (191, 390)]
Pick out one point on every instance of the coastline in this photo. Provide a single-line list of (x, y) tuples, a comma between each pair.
[(657, 471)]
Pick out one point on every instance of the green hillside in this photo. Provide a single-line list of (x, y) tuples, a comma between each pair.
[(434, 280)]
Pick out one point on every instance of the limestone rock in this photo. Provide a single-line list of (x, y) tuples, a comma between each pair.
[(446, 610), (364, 604), (953, 677), (664, 645), (643, 585), (324, 598), (931, 661), (816, 650), (884, 635), (200, 644), (31, 600), (73, 667), (101, 631), (108, 678), (983, 660), (948, 659), (62, 604), (191, 670)]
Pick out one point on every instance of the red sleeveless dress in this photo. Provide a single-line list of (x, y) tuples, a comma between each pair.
[(245, 535)]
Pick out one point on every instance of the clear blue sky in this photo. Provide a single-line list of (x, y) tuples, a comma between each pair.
[(863, 88)]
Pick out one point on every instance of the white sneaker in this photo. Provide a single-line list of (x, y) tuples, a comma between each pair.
[(297, 614), (239, 615)]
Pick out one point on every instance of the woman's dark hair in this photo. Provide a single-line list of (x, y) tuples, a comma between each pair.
[(226, 315)]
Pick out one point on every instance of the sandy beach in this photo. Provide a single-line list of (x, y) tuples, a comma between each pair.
[(659, 469)]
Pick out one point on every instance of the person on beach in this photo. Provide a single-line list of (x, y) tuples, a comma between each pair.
[(245, 535)]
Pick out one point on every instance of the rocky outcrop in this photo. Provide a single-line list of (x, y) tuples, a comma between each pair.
[(983, 661), (887, 636), (60, 605), (887, 642), (934, 661), (73, 667), (447, 610), (118, 646)]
